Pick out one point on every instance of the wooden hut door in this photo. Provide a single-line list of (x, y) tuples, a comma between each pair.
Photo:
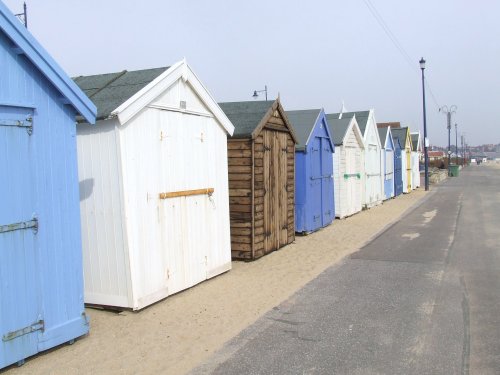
[(20, 316), (275, 194)]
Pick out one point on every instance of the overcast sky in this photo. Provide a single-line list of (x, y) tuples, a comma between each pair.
[(313, 53)]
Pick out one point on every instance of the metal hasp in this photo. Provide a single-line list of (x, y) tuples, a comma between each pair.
[(28, 124), (32, 224), (38, 326), (347, 175), (320, 177)]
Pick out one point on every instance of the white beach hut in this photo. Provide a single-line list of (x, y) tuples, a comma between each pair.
[(348, 165), (416, 154), (373, 187), (153, 186)]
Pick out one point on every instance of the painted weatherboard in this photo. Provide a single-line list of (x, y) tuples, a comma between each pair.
[(398, 171), (387, 161), (41, 281), (314, 195), (416, 155), (403, 134), (348, 165), (261, 157), (154, 192), (373, 178)]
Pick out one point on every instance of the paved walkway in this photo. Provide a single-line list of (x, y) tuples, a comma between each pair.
[(422, 298), (180, 332)]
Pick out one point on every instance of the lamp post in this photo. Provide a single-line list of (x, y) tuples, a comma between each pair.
[(456, 145), (449, 112), (426, 142), (462, 148), (256, 92)]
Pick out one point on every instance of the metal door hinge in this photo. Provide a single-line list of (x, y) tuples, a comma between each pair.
[(33, 224), (38, 326), (27, 123)]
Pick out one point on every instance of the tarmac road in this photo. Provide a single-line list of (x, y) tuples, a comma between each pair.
[(421, 298)]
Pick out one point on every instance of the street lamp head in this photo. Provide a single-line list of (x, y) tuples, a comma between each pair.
[(255, 95), (422, 63)]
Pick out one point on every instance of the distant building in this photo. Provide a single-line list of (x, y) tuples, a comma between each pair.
[(436, 155), (387, 124)]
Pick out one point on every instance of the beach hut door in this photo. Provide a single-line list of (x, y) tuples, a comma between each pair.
[(327, 181), (316, 219), (20, 318), (276, 190)]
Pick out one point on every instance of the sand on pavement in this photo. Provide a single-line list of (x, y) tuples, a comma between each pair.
[(178, 333)]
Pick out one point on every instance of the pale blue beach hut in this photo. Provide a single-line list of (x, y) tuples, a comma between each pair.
[(41, 284), (387, 161)]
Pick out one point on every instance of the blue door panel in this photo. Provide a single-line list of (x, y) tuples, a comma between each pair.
[(19, 271)]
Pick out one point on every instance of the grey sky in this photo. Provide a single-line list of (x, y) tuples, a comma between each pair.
[(314, 53)]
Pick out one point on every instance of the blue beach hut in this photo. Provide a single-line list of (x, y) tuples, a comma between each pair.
[(41, 283), (314, 199), (398, 165), (387, 161)]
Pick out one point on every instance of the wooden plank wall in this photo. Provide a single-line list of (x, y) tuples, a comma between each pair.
[(278, 227), (240, 196), (247, 195)]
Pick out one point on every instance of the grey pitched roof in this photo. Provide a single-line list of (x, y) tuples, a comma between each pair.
[(303, 122), (338, 127), (245, 116), (414, 140), (361, 118), (382, 132), (108, 91), (400, 134)]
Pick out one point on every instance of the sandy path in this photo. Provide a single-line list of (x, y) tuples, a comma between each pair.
[(178, 333)]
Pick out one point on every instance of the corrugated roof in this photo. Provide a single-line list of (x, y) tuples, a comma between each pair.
[(338, 127), (303, 122), (361, 118), (246, 116), (108, 91)]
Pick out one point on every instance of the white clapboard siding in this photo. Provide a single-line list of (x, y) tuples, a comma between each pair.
[(374, 176), (139, 248), (349, 159), (415, 160), (403, 168)]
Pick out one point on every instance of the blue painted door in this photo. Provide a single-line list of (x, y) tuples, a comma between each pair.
[(315, 212), (328, 205), (398, 176), (20, 315)]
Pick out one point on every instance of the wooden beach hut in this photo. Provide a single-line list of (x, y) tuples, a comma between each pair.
[(416, 154), (387, 161), (398, 166), (153, 186), (348, 164), (314, 196), (403, 134), (261, 157), (41, 278), (373, 179)]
